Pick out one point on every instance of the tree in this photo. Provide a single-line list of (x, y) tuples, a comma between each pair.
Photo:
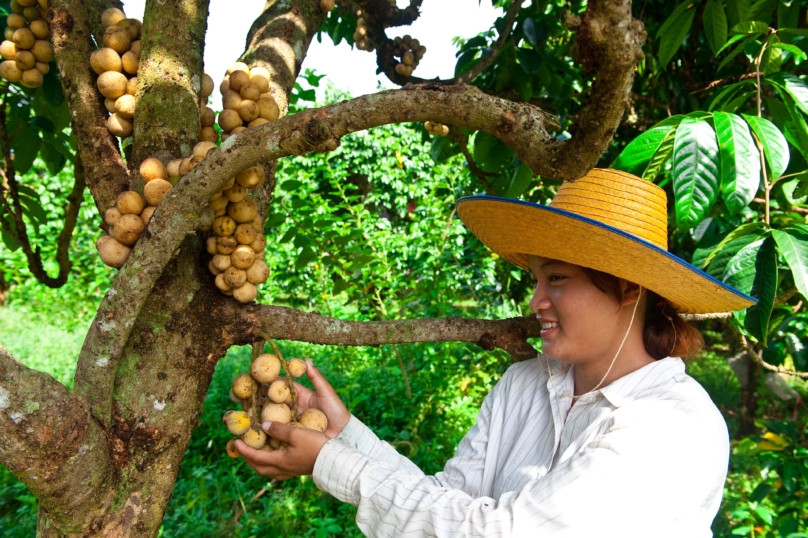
[(544, 93)]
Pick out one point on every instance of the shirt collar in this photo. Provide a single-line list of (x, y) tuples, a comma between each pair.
[(621, 390), (626, 388)]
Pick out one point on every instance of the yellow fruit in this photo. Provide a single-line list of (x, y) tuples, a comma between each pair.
[(117, 39), (237, 66), (25, 60), (242, 257), (112, 16), (258, 273), (239, 79), (111, 215), (112, 84), (155, 190), (246, 293), (129, 203), (31, 78), (244, 386), (112, 252), (268, 109), (229, 120), (43, 51), (119, 126), (8, 50), (254, 438), (152, 168), (130, 62), (231, 449), (241, 212), (10, 71), (128, 228), (276, 412), (224, 226), (237, 422), (279, 391), (125, 106), (207, 86)]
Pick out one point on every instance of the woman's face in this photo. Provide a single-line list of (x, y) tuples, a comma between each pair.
[(579, 322)]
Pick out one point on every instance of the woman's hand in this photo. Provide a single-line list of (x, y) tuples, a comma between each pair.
[(296, 459), (324, 398)]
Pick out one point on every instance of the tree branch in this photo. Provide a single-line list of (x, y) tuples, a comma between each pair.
[(379, 19), (280, 322), (107, 175), (169, 79), (52, 444), (758, 359)]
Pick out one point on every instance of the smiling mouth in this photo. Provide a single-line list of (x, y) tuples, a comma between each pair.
[(549, 324)]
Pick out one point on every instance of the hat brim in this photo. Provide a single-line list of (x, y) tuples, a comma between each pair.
[(515, 229)]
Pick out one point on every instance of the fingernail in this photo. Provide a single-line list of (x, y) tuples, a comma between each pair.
[(266, 425), (309, 362)]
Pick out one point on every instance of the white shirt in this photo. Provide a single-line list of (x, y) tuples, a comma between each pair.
[(645, 456)]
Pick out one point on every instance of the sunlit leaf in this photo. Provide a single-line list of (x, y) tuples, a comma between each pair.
[(740, 161), (675, 34), (753, 270), (774, 144), (636, 155), (695, 171), (715, 24), (793, 245)]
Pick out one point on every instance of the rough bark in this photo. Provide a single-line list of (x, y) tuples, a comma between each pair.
[(51, 443), (169, 79), (107, 175), (284, 323)]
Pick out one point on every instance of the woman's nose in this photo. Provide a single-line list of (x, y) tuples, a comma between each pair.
[(539, 300)]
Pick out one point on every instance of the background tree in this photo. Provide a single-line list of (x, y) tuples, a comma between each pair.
[(538, 99)]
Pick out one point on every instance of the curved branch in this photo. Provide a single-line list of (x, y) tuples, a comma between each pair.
[(52, 444), (318, 130), (280, 322), (387, 63), (107, 175), (758, 359)]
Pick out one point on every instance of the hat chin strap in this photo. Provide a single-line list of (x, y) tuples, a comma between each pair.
[(633, 313)]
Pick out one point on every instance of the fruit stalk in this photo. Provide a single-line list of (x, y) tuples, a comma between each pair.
[(252, 405), (288, 375)]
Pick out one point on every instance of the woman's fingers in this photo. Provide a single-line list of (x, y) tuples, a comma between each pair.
[(321, 384)]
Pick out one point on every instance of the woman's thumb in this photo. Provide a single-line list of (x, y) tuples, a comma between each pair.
[(278, 430)]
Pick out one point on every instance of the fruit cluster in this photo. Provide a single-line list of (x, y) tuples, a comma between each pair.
[(237, 239), (116, 65), (26, 49), (246, 99), (361, 35), (130, 215), (207, 116), (438, 129), (279, 404), (410, 52)]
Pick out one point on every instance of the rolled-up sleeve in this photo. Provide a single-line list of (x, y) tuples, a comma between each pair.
[(635, 479)]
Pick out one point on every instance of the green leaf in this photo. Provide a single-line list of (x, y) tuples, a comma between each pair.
[(695, 171), (674, 35), (305, 256), (740, 161), (793, 245), (750, 28), (756, 229), (715, 25), (793, 49), (723, 255), (771, 61), (727, 93), (25, 147), (490, 153), (8, 241), (788, 14), (529, 61), (291, 185), (636, 155), (522, 177), (795, 87), (731, 41), (737, 50), (736, 11), (761, 10), (753, 270), (737, 102), (672, 18), (793, 31), (660, 157), (535, 32), (774, 144), (443, 149)]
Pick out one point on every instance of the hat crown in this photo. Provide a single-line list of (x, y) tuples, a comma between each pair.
[(620, 200)]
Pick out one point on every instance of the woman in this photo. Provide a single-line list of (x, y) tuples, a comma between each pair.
[(604, 434)]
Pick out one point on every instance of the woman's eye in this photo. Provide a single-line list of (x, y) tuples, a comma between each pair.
[(555, 278)]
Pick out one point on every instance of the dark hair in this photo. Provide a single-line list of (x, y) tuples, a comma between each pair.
[(664, 333)]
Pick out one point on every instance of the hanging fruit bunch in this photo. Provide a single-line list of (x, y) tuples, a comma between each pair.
[(438, 129), (361, 34), (279, 404), (237, 239), (246, 99), (410, 52), (26, 50), (207, 116), (130, 215)]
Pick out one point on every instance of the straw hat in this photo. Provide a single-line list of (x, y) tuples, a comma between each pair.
[(610, 221)]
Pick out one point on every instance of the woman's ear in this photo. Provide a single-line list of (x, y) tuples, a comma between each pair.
[(631, 292)]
